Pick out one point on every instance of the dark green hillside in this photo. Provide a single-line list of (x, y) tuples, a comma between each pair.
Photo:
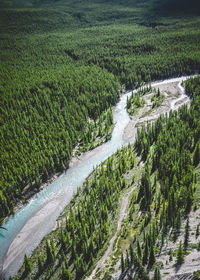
[(41, 124), (62, 62), (136, 53), (177, 6)]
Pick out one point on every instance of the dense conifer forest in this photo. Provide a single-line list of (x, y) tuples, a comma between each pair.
[(63, 65), (170, 149)]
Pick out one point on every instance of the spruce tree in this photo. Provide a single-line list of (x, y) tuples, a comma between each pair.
[(180, 254), (53, 249), (122, 263), (40, 263), (131, 253), (27, 265), (157, 275), (127, 259), (197, 231), (66, 274), (187, 233), (50, 256), (145, 253), (152, 258), (139, 251), (170, 255), (196, 158)]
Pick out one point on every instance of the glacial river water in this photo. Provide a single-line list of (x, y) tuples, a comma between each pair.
[(30, 224)]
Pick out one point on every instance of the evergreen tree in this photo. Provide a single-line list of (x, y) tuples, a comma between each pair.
[(187, 234), (170, 255), (196, 158), (197, 231), (27, 265), (131, 253), (50, 256), (53, 249), (122, 263), (40, 263), (139, 251), (157, 275), (66, 274), (127, 259), (180, 254), (145, 253), (152, 258)]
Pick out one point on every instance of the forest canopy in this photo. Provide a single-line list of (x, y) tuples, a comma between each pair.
[(63, 63)]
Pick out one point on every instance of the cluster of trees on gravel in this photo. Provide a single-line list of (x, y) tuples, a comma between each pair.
[(135, 101), (70, 251), (170, 148)]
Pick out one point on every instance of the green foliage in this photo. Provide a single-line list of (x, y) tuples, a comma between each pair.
[(96, 132), (196, 275), (170, 255), (139, 250), (27, 265), (136, 101), (157, 99), (63, 67), (122, 263), (152, 257), (198, 246), (45, 122), (151, 55), (145, 253), (59, 72), (196, 157), (197, 231), (172, 153), (180, 254), (145, 192), (172, 141), (157, 275), (40, 263), (50, 253), (140, 269), (187, 235), (66, 275)]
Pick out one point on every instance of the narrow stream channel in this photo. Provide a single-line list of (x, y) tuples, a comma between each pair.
[(27, 227)]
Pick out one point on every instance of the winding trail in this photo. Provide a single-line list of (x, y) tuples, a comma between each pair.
[(122, 215), (29, 225)]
